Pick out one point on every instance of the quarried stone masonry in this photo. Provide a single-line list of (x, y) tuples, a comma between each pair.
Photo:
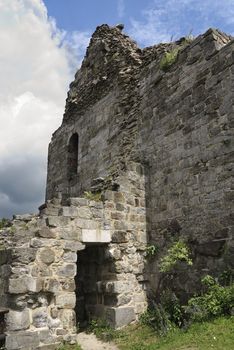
[(45, 279), (154, 148)]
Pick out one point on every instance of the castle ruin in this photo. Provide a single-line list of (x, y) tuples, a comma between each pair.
[(143, 156)]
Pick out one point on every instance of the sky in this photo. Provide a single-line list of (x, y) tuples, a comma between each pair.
[(42, 46)]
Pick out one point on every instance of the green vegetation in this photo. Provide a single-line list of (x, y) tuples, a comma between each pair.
[(178, 252), (4, 223), (216, 301), (93, 196), (168, 59), (171, 56), (217, 334), (102, 330), (70, 347), (152, 250)]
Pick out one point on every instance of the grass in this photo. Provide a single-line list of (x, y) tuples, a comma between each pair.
[(217, 334), (168, 59), (70, 347)]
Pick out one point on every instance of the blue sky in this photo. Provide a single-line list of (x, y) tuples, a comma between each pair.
[(147, 20), (42, 45)]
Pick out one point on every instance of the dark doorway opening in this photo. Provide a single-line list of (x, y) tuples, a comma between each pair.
[(94, 269)]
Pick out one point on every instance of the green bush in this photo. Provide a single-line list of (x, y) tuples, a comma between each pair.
[(216, 301), (178, 252), (168, 314)]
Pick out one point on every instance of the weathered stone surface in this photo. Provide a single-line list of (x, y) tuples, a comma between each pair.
[(154, 154), (22, 340), (46, 232), (4, 255), (65, 300), (95, 236), (24, 255), (67, 270), (68, 318), (47, 256), (119, 317), (70, 233), (18, 320), (24, 217), (39, 317), (74, 246), (119, 237), (24, 285)]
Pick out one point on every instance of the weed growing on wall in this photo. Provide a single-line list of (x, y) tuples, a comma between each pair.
[(168, 59), (171, 56), (93, 196), (176, 253), (151, 250)]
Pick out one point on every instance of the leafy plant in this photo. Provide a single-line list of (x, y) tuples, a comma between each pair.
[(172, 306), (151, 250), (178, 252), (216, 301)]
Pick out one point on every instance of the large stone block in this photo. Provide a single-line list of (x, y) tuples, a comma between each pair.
[(79, 202), (47, 256), (39, 317), (67, 270), (87, 224), (46, 232), (73, 246), (24, 285), (18, 320), (70, 233), (119, 317), (24, 255), (27, 340), (95, 236), (68, 318), (65, 300)]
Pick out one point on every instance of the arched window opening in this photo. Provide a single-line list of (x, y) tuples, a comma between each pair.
[(73, 156)]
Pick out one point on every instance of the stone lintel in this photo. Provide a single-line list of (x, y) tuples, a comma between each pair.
[(95, 236)]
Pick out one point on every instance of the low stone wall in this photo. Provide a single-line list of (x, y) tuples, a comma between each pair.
[(42, 288)]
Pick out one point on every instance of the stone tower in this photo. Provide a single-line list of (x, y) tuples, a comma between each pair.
[(144, 157)]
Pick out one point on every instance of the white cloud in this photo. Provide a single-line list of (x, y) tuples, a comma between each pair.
[(120, 8), (165, 19), (35, 70)]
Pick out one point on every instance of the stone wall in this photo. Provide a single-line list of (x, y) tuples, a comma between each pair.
[(158, 147), (101, 108), (177, 124), (186, 143), (5, 258), (43, 289)]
